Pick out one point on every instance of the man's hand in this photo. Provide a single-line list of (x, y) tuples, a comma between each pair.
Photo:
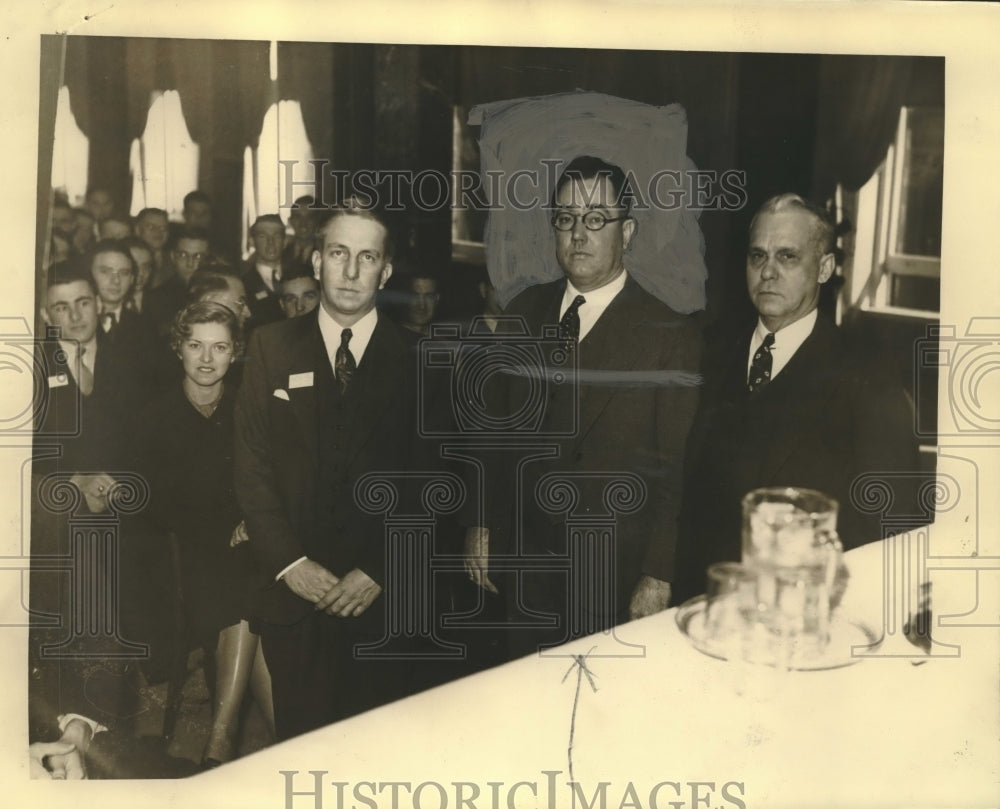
[(351, 596), (239, 535), (94, 489), (39, 750), (309, 580), (70, 766), (477, 557), (650, 595)]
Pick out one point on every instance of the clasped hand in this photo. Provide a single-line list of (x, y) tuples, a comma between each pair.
[(347, 597), (95, 489)]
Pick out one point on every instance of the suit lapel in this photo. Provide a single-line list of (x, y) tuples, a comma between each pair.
[(791, 404), (611, 349), (306, 354), (376, 384)]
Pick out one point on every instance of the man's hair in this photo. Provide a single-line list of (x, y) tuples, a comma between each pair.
[(353, 207), (94, 189), (145, 212), (192, 234), (205, 312), (68, 272), (205, 281), (587, 167), (196, 196), (304, 201), (110, 246), (271, 218), (134, 242), (824, 228), (298, 269)]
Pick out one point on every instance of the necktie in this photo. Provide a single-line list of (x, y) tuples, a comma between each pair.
[(108, 321), (569, 326), (86, 376), (275, 279), (343, 364), (760, 367)]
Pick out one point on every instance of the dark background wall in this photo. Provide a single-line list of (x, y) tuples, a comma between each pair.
[(791, 122)]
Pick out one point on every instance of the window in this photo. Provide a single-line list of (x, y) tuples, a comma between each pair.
[(70, 153), (896, 261), (282, 137), (164, 161)]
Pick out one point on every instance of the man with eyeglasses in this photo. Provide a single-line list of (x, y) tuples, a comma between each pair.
[(634, 402)]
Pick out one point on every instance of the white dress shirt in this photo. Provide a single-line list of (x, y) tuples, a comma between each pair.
[(361, 334), (786, 341), (597, 301)]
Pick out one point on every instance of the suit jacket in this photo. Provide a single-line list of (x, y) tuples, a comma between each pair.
[(298, 499), (637, 393), (90, 430), (263, 303), (823, 420)]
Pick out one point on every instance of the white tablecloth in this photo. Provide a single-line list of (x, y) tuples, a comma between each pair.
[(881, 732)]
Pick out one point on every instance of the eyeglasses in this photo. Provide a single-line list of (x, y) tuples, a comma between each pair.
[(592, 220)]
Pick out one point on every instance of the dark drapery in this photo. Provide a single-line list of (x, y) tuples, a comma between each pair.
[(858, 110), (305, 74)]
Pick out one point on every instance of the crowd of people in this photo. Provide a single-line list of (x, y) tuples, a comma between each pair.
[(254, 400)]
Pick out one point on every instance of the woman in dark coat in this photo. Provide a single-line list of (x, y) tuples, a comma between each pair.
[(186, 450)]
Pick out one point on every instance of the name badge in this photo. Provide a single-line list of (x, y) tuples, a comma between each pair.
[(58, 381), (300, 380), (261, 295)]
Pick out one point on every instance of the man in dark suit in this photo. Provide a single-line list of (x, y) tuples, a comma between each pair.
[(262, 272), (91, 389), (635, 398), (789, 405), (326, 398)]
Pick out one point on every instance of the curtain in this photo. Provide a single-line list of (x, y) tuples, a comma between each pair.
[(305, 74), (859, 102)]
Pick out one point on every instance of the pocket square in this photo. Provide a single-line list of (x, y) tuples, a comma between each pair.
[(58, 381), (279, 393), (261, 294), (304, 380)]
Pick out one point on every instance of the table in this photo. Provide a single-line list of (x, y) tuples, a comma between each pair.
[(666, 726)]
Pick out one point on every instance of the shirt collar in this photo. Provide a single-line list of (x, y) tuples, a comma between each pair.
[(597, 298), (792, 336), (90, 346), (361, 333)]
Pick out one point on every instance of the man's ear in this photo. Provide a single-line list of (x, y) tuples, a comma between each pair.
[(827, 264), (317, 262), (628, 231), (386, 274), (45, 316)]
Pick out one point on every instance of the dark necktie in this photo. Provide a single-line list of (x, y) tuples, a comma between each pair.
[(569, 326), (760, 367), (344, 365)]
